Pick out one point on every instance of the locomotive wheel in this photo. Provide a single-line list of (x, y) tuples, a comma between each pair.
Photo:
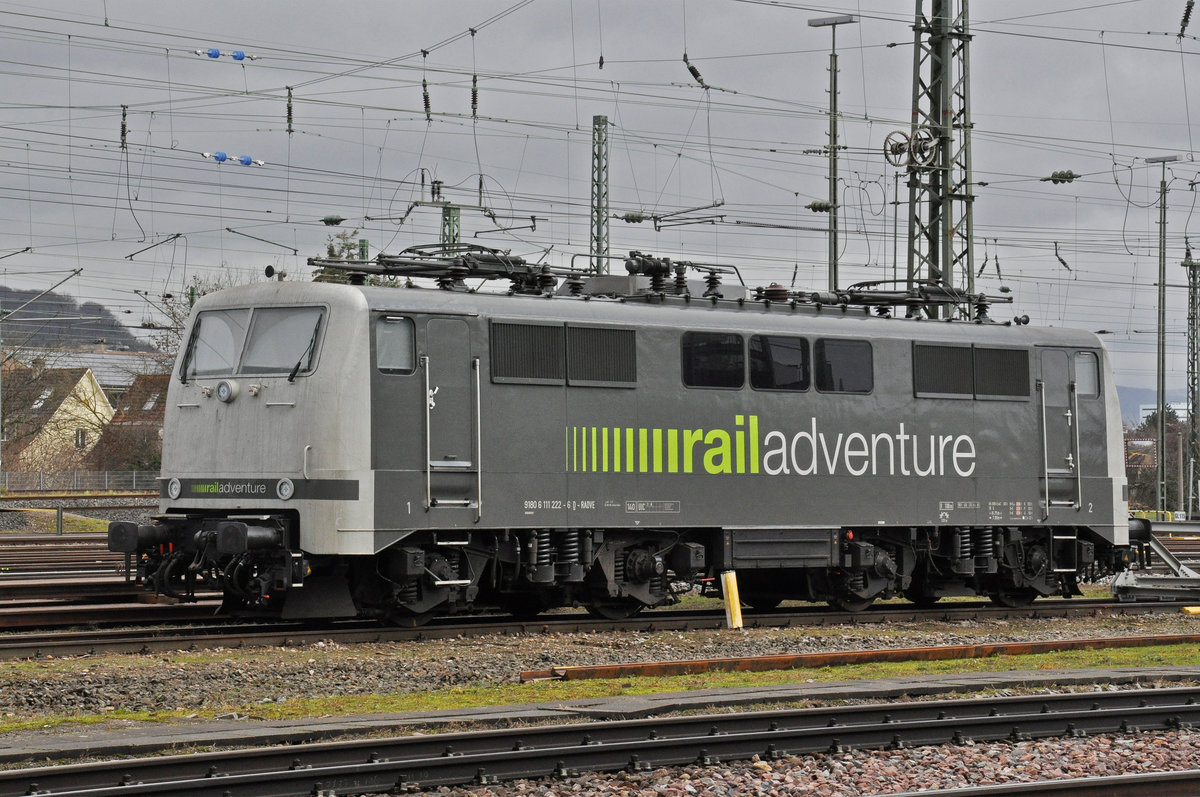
[(848, 604), (614, 609), (761, 601), (1013, 598)]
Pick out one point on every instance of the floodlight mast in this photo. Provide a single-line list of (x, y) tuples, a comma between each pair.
[(832, 23), (1160, 482)]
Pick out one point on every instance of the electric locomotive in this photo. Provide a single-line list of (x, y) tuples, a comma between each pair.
[(606, 441)]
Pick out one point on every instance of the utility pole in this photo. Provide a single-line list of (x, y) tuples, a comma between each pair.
[(940, 189), (832, 23), (1160, 482), (599, 242), (1193, 374)]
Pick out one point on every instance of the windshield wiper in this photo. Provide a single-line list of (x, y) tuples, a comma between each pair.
[(312, 342), (187, 360)]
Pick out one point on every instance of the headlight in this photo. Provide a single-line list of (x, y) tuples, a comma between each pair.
[(285, 489), (174, 488), (227, 390)]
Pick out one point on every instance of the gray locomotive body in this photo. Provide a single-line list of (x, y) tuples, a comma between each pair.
[(338, 449)]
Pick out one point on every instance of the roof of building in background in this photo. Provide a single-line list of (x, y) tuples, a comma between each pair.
[(114, 370), (41, 393), (144, 401)]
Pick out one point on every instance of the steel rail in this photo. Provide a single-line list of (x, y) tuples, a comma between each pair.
[(657, 669), (218, 631), (484, 757)]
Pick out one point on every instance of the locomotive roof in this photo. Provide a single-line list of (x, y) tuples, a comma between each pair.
[(649, 310)]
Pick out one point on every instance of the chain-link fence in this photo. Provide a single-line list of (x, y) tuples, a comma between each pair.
[(78, 480)]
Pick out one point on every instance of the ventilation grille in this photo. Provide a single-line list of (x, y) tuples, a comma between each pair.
[(601, 356), (943, 370), (528, 353), (1001, 372)]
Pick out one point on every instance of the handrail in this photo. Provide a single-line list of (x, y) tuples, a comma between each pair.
[(1041, 389), (478, 444), (1078, 451), (424, 362)]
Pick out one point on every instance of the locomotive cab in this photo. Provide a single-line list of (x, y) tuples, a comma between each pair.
[(264, 453)]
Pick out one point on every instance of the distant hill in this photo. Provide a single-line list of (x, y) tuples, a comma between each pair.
[(1134, 398), (57, 321)]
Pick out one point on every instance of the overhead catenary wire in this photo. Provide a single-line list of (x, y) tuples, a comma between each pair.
[(769, 168)]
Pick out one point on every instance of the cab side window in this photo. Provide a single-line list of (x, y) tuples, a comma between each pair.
[(1087, 374), (395, 345)]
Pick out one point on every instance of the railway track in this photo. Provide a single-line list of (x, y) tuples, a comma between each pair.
[(659, 669), (412, 763), (161, 628)]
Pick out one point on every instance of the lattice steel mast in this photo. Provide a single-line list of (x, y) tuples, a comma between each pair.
[(940, 198), (599, 236)]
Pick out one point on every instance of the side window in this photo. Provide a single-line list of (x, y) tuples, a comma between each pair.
[(1087, 374), (843, 366), (395, 349), (778, 363), (713, 359)]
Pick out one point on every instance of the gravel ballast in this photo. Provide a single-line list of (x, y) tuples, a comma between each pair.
[(226, 680), (249, 681), (881, 772)]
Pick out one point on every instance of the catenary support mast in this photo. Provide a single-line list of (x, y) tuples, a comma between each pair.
[(940, 189), (599, 237)]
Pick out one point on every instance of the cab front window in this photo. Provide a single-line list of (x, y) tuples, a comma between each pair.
[(216, 343), (264, 340), (282, 340)]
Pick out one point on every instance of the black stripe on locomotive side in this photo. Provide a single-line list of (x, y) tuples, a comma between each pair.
[(310, 490)]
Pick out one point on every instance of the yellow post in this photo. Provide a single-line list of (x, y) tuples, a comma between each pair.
[(733, 605)]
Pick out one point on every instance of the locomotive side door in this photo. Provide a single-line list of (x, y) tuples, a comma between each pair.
[(451, 415), (1060, 433)]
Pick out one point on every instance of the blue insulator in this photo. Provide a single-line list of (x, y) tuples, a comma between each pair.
[(245, 160), (220, 157), (212, 52), (238, 55)]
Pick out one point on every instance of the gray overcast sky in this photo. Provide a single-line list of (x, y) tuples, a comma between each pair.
[(1094, 87)]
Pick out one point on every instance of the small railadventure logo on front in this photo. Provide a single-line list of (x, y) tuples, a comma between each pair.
[(229, 488)]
